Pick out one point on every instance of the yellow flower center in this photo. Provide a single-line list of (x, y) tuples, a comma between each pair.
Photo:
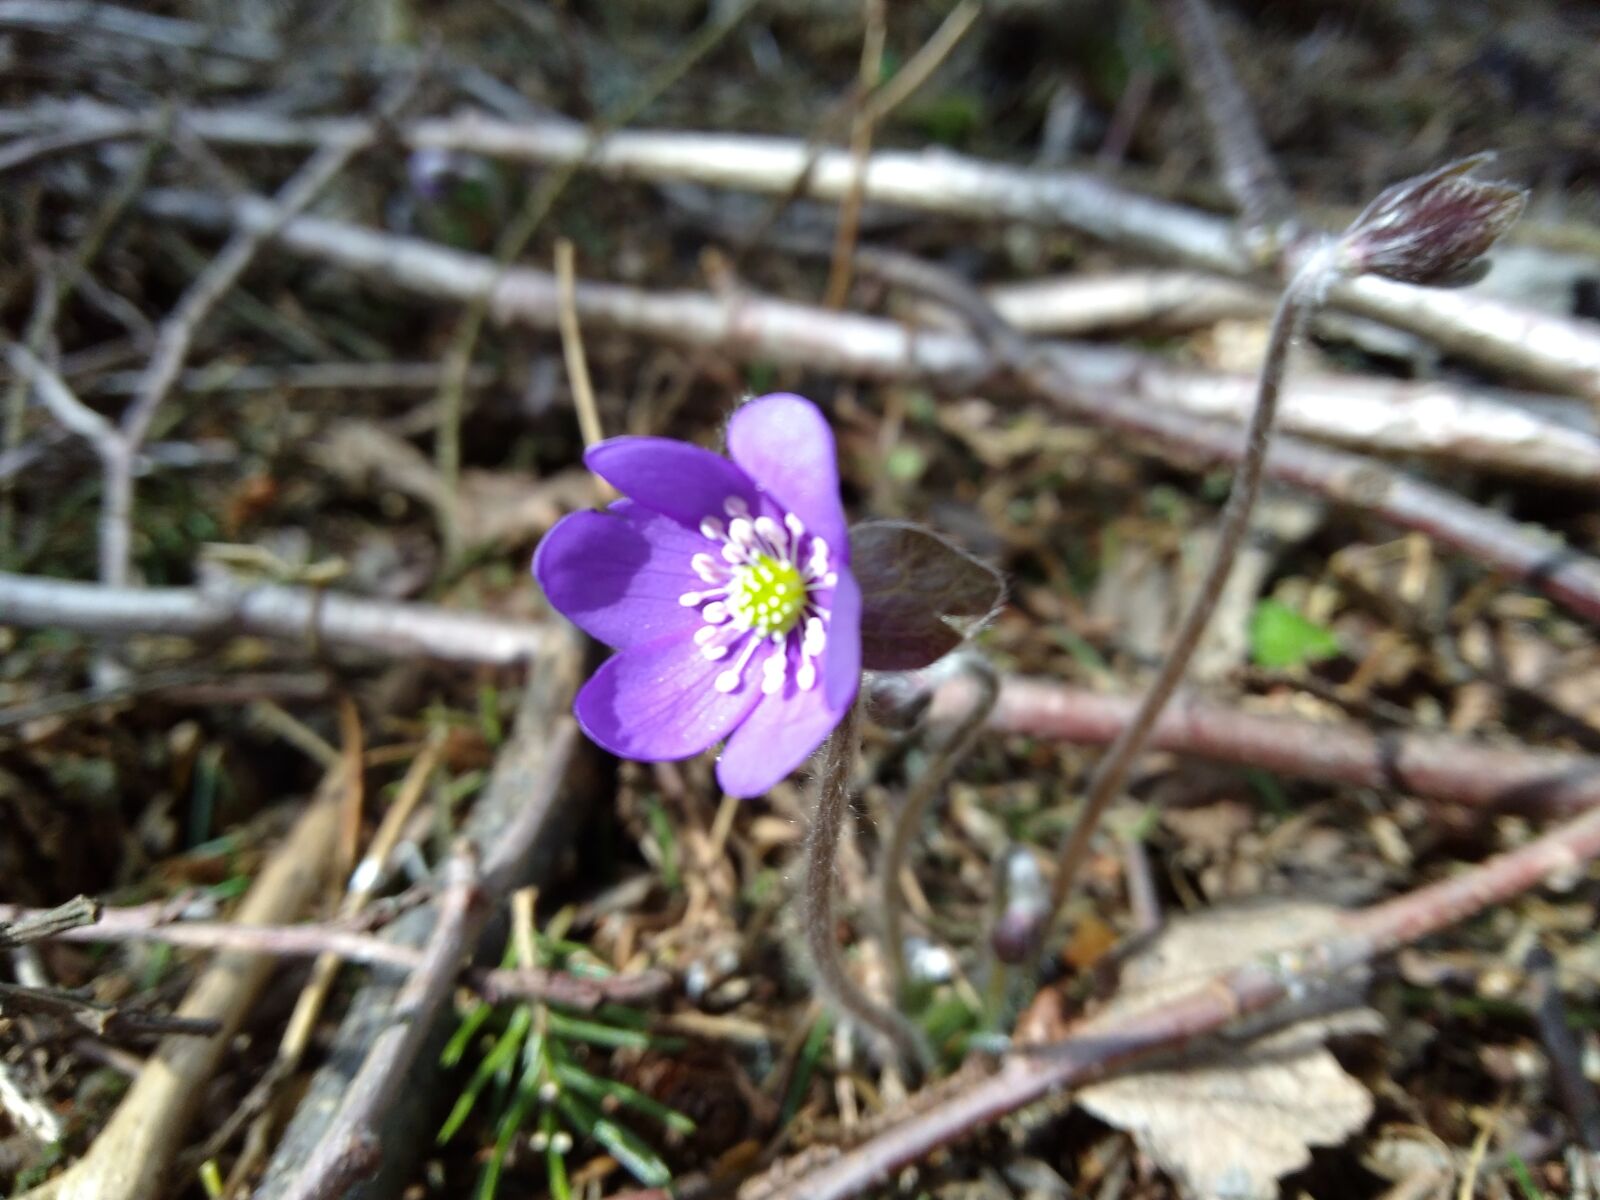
[(767, 594)]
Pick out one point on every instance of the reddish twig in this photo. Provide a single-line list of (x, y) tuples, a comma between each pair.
[(1046, 1071), (1434, 766)]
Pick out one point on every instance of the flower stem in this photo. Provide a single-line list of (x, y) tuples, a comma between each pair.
[(951, 751), (832, 980), (1300, 299)]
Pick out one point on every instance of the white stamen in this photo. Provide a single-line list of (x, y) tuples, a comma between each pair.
[(716, 612), (735, 506), (711, 527), (705, 633), (774, 670), (734, 675), (741, 532), (708, 568), (689, 599)]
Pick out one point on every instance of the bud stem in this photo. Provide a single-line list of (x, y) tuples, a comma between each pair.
[(832, 980), (1299, 301)]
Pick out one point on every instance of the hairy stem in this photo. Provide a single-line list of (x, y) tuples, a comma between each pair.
[(949, 753), (1295, 308), (832, 980)]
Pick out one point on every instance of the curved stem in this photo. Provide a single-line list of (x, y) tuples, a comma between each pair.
[(832, 980), (1299, 300), (951, 751)]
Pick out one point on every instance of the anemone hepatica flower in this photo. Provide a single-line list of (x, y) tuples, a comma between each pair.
[(724, 584)]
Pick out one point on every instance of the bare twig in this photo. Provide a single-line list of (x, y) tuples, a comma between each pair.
[(129, 1159), (832, 978), (18, 928), (517, 826), (1247, 167), (341, 942), (84, 16), (876, 19), (1563, 1050), (572, 347), (1552, 351), (102, 1020), (1107, 389), (1434, 766), (526, 222), (178, 331), (1106, 1046), (312, 616)]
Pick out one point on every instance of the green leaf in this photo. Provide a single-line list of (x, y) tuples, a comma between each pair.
[(1281, 637), (637, 1158), (592, 1087)]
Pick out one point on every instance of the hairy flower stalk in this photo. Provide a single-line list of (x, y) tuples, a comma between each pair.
[(831, 978), (1433, 230)]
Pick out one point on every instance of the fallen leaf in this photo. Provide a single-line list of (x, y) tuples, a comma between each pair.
[(1230, 1115)]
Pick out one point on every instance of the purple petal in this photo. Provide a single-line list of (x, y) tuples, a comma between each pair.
[(784, 729), (774, 740), (617, 575), (655, 702), (785, 445), (841, 657), (674, 478)]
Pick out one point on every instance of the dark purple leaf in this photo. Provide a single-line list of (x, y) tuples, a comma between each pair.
[(921, 595)]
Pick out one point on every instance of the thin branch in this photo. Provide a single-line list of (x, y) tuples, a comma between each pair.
[(1551, 351), (1433, 766), (350, 1147), (312, 616), (1105, 1047), (177, 333), (16, 928), (150, 924), (1093, 382), (837, 291), (1248, 170), (1111, 390)]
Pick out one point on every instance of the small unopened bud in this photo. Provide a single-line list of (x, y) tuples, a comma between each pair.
[(1027, 905), (549, 1091), (561, 1142), (1434, 229)]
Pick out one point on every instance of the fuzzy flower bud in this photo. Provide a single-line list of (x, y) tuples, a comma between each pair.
[(1434, 229)]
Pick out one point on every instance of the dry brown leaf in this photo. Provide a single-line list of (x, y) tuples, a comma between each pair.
[(1229, 1116)]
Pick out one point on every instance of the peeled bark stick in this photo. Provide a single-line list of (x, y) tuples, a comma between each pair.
[(517, 828), (1101, 1048), (1551, 351), (1437, 420), (1432, 766), (1105, 389), (317, 617), (132, 1156)]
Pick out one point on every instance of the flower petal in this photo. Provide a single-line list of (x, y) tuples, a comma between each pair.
[(841, 657), (774, 740), (655, 702), (617, 575), (676, 479), (783, 442)]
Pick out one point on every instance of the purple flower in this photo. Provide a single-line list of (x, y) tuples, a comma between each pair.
[(725, 587)]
